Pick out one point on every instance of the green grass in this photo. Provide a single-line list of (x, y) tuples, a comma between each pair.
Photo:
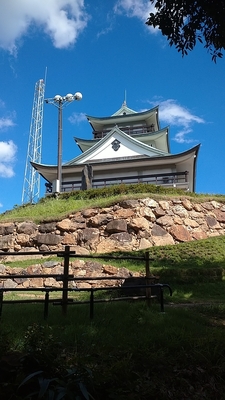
[(27, 262), (51, 208), (205, 253), (208, 293), (132, 351), (128, 351), (195, 270)]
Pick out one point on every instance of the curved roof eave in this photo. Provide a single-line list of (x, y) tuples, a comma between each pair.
[(156, 160), (123, 118), (146, 137), (49, 172), (192, 151)]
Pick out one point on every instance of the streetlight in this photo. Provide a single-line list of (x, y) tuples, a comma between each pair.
[(59, 102)]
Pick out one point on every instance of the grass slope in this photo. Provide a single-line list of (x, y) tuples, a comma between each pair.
[(55, 208), (128, 351)]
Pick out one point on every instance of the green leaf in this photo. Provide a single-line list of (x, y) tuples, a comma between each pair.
[(44, 384), (51, 395), (30, 377), (61, 394), (83, 390)]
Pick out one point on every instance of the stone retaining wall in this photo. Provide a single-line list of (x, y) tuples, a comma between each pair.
[(129, 225), (78, 268)]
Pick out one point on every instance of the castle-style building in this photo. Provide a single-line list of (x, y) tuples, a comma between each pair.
[(127, 147)]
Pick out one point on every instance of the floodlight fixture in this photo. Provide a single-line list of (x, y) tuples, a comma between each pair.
[(59, 102)]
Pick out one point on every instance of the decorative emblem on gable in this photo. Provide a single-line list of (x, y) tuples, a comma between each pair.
[(116, 144)]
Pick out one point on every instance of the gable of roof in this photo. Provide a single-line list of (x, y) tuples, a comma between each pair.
[(158, 139), (117, 144), (123, 110)]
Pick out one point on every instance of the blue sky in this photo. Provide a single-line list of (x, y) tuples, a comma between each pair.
[(102, 49)]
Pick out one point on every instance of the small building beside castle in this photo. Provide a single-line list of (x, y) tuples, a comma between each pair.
[(127, 147)]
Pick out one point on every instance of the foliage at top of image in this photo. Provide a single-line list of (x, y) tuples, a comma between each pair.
[(185, 23)]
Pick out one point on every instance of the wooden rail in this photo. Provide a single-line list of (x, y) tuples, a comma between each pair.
[(66, 278)]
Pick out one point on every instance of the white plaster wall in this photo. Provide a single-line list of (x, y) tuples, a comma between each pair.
[(126, 149)]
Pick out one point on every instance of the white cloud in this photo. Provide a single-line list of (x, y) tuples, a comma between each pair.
[(172, 113), (7, 158), (76, 118), (6, 122), (2, 103), (7, 149), (62, 20), (176, 114), (134, 8), (105, 31), (181, 136), (6, 171)]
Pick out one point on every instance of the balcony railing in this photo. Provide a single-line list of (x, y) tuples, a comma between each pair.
[(129, 130), (172, 179)]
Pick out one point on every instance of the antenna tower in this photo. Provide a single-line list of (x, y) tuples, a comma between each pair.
[(31, 185)]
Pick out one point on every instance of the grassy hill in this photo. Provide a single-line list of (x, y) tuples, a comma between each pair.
[(183, 266), (54, 208), (129, 351)]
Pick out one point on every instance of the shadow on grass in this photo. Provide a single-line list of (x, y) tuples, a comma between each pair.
[(131, 350)]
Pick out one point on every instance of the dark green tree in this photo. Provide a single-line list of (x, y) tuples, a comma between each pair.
[(184, 22)]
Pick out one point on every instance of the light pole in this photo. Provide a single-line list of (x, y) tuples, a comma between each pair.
[(59, 102)]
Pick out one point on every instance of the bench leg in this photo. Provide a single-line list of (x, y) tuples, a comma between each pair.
[(1, 302), (92, 304), (46, 304), (161, 299)]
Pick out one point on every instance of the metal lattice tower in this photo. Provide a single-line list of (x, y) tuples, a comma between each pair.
[(31, 185)]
